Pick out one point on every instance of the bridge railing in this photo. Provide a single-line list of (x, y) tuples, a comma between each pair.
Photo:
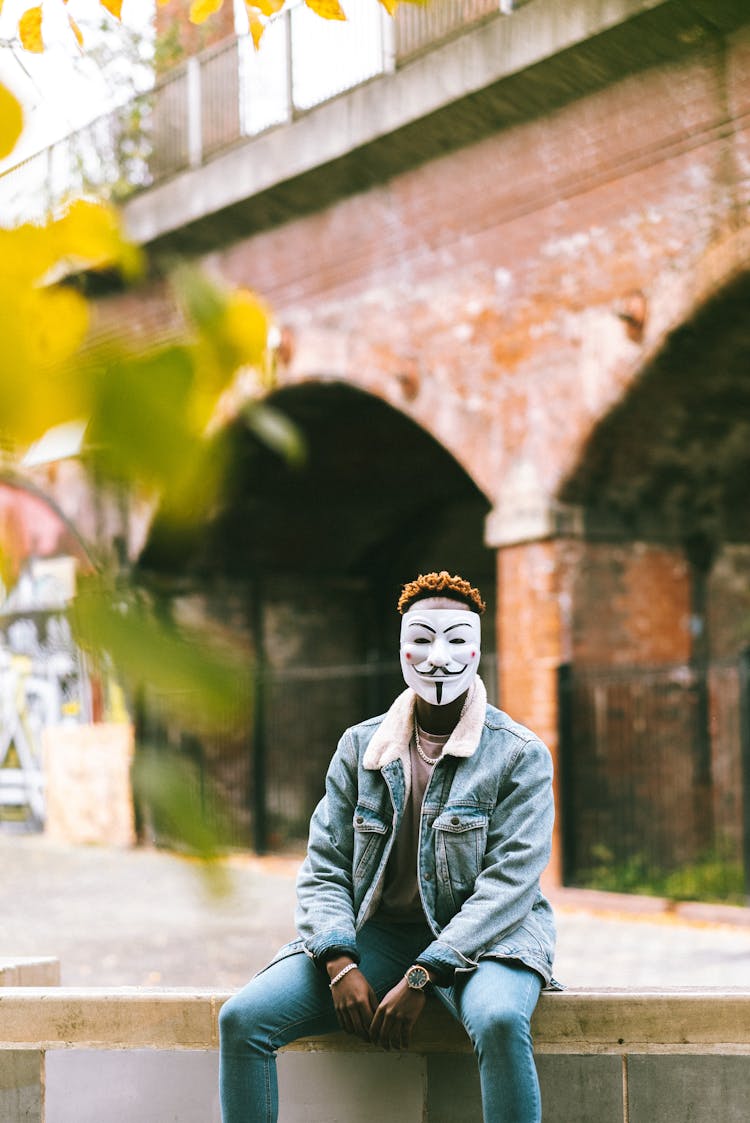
[(229, 93)]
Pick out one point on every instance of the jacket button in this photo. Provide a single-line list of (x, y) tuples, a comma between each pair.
[(455, 821), (428, 877), (359, 820)]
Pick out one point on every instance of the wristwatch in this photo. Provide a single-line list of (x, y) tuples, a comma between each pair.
[(417, 977)]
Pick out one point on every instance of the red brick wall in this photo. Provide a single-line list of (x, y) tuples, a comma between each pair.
[(631, 606), (497, 270)]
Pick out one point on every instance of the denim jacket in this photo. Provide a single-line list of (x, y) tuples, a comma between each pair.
[(484, 841)]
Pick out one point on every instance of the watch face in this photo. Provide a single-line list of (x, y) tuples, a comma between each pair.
[(417, 977)]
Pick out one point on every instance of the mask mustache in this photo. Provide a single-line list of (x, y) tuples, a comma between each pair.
[(440, 671)]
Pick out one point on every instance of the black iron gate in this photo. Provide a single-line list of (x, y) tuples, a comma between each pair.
[(655, 778), (257, 781)]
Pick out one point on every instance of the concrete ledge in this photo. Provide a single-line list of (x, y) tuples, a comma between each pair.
[(603, 1056), (573, 1021)]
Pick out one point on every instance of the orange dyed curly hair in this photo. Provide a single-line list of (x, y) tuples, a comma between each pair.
[(440, 584)]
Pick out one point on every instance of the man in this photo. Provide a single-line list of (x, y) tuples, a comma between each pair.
[(422, 874)]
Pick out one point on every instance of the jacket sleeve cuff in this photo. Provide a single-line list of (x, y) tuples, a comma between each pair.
[(328, 944), (444, 961)]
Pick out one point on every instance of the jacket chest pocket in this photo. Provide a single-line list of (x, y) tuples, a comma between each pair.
[(460, 841), (369, 831)]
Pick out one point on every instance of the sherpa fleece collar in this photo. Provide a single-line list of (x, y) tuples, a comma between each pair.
[(391, 739)]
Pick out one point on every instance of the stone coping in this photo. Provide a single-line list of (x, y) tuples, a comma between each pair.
[(680, 1020)]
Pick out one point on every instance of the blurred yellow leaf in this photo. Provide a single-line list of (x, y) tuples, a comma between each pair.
[(90, 234), (232, 332), (87, 234), (328, 9), (244, 328), (390, 6), (41, 329), (114, 7), (57, 326), (200, 10), (11, 121), (41, 326), (257, 27), (265, 7), (30, 30), (76, 30)]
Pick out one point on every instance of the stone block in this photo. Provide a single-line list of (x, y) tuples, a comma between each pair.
[(89, 1086), (453, 1094), (21, 1087), (587, 1089), (673, 1089), (351, 1087)]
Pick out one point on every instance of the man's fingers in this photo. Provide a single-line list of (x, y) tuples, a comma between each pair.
[(355, 1019)]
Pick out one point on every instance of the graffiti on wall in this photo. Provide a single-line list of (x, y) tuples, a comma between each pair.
[(43, 679)]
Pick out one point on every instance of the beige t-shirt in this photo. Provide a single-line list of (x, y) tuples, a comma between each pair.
[(401, 901)]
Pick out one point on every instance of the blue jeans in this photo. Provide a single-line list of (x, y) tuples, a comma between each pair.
[(291, 999)]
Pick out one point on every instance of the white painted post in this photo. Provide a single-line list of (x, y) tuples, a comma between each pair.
[(195, 131), (287, 17), (388, 41)]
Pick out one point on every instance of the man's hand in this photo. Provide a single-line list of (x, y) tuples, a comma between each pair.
[(353, 998), (396, 1016)]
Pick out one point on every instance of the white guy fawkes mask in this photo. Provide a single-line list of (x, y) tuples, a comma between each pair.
[(440, 650)]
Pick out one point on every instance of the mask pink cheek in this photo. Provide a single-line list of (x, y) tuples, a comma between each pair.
[(407, 656)]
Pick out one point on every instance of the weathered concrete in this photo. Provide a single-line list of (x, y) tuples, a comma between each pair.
[(687, 1020), (21, 1095), (596, 1050)]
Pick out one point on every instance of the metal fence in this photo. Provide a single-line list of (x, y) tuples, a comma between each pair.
[(418, 28), (258, 783), (655, 779), (229, 93)]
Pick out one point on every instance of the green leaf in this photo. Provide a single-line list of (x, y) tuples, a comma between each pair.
[(169, 787), (203, 685)]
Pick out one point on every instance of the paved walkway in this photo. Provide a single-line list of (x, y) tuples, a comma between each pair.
[(139, 917)]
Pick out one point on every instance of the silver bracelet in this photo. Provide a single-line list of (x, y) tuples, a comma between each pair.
[(344, 971)]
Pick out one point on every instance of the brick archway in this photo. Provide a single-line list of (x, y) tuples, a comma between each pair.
[(307, 563), (659, 608)]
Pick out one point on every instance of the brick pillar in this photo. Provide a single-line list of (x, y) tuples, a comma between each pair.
[(532, 535), (532, 645)]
